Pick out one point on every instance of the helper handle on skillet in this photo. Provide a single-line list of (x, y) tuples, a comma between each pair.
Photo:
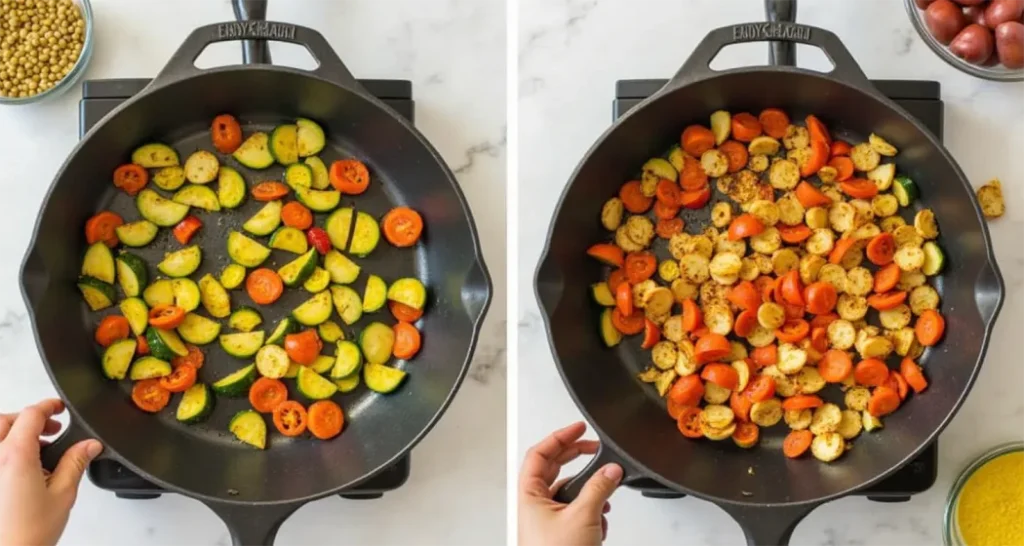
[(767, 525), (182, 63), (253, 51), (988, 292), (572, 488), (51, 453), (697, 66), (253, 524)]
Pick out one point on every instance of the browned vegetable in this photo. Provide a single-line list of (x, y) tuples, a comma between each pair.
[(945, 20), (973, 44), (998, 12), (1009, 38)]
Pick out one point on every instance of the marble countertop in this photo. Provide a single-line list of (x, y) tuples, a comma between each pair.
[(454, 53), (571, 53)]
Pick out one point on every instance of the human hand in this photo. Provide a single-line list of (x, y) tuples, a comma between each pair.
[(546, 522), (34, 504)]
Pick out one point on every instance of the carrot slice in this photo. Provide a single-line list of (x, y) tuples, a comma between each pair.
[(624, 299), (841, 148), (640, 266), (743, 226), (774, 122), (141, 345), (325, 419), (819, 339), (723, 375), (760, 388), (264, 286), (871, 372), (692, 177), (665, 211), (166, 317), (689, 423), (404, 312), (692, 316), (633, 199), (711, 347), (765, 356), (822, 321), (899, 384), (111, 329), (881, 249), (608, 254), (745, 127), (616, 277), (402, 226), (181, 379), (887, 278), (765, 286), (821, 297), (797, 443), (667, 192), (131, 178), (835, 366), (652, 334), (802, 401), (793, 331), (736, 153), (794, 234), (269, 191), (407, 340), (296, 215), (746, 435), (929, 327), (149, 396), (695, 199), (740, 406), (290, 418), (817, 160), (101, 227), (843, 166), (303, 347), (744, 295), (266, 394), (884, 400), (809, 196), (687, 390), (666, 228), (349, 176), (628, 324), (792, 289), (887, 300), (859, 188), (674, 409), (697, 139), (912, 373), (817, 129), (226, 133), (842, 246)]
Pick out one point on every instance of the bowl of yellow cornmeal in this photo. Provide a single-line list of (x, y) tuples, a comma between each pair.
[(986, 504)]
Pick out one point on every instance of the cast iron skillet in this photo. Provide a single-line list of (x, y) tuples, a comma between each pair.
[(252, 490), (630, 419)]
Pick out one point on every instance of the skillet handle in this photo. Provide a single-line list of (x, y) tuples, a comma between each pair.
[(51, 453), (476, 291), (697, 67), (253, 51), (182, 63), (253, 525), (768, 526), (782, 11), (574, 485), (988, 292)]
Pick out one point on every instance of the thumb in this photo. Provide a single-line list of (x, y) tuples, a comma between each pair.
[(72, 465), (599, 488)]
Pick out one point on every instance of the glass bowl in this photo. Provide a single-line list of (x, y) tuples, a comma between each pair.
[(995, 73), (951, 528), (76, 71)]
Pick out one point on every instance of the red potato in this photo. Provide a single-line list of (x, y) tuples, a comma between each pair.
[(973, 44), (1000, 11), (975, 14), (945, 20), (1010, 44)]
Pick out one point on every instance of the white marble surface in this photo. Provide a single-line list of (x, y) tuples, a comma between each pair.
[(454, 53), (571, 53)]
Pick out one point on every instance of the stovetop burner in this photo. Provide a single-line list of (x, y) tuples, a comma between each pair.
[(922, 99), (99, 97)]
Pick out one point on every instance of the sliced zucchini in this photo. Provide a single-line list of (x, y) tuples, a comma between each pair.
[(284, 145), (197, 196), (289, 239), (198, 330), (99, 263), (137, 313), (318, 281), (181, 263), (169, 178), (97, 294), (149, 367), (330, 332), (602, 294), (381, 378), (609, 334), (409, 291), (117, 358), (230, 188), (321, 177), (322, 364), (266, 220), (165, 344), (376, 341), (318, 200), (375, 294), (272, 361), (313, 386), (213, 296), (196, 404), (245, 251), (249, 427), (347, 360), (242, 344), (365, 235), (137, 234), (236, 383), (298, 175), (295, 272), (160, 211), (348, 384), (155, 156), (311, 137), (934, 259), (315, 310), (186, 294), (348, 304), (255, 152), (341, 269), (201, 167), (245, 319), (232, 276), (160, 292), (339, 227), (905, 190), (283, 328), (293, 370)]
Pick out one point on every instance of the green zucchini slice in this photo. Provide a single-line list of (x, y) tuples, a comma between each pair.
[(255, 152), (322, 364), (117, 358), (284, 145), (160, 292), (169, 178), (272, 361), (181, 263), (295, 272), (602, 294), (201, 167), (313, 386), (165, 344), (905, 191), (342, 269), (347, 360), (186, 294), (266, 220), (318, 200), (289, 239), (232, 276), (196, 404), (245, 319), (339, 227), (245, 251), (381, 378), (348, 304), (365, 235), (298, 175), (137, 313), (609, 334), (137, 234), (934, 259), (236, 383), (197, 196), (376, 341), (230, 188), (318, 281), (99, 263), (249, 427), (155, 155), (213, 296), (149, 367), (283, 328), (160, 211), (321, 177), (96, 293), (330, 332), (242, 344), (375, 294), (315, 310), (198, 330), (409, 291), (348, 384), (311, 139)]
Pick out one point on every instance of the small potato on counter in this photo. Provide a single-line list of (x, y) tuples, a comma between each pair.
[(973, 44), (945, 20), (990, 197)]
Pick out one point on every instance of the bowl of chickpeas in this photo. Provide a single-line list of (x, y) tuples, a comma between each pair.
[(45, 46)]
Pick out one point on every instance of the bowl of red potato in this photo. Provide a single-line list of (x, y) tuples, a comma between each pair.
[(984, 38)]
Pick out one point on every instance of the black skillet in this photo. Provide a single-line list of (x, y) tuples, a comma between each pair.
[(254, 491), (765, 492)]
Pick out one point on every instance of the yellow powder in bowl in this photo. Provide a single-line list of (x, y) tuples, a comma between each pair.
[(990, 509)]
